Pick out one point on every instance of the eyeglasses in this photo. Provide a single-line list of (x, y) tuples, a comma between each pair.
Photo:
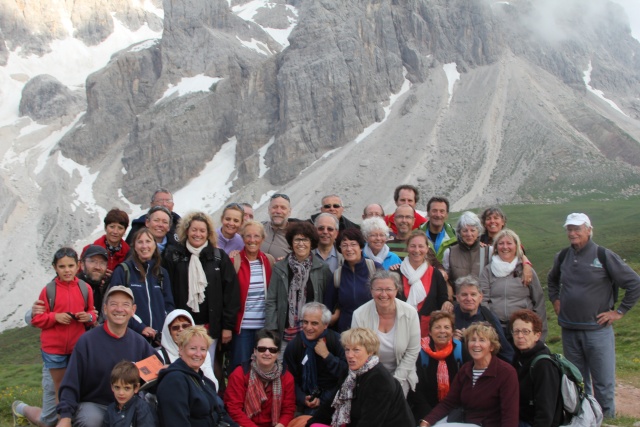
[(63, 252), (524, 332), (373, 214), (386, 291), (329, 229), (402, 217), (284, 196), (378, 236), (301, 241), (334, 206), (99, 262), (349, 245), (176, 328), (272, 350), (163, 201)]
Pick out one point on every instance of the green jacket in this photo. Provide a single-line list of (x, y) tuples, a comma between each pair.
[(449, 239)]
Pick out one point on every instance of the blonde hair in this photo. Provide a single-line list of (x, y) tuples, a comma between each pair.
[(252, 223), (364, 337), (191, 332), (484, 330), (185, 223), (504, 233)]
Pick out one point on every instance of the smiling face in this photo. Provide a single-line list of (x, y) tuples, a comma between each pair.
[(178, 325), (480, 349), (507, 248), (197, 233), (441, 332), (332, 205), (279, 211), (66, 268), (356, 356), (301, 246), (469, 235), (158, 223), (163, 199), (469, 299), (265, 360), (194, 352), (95, 267), (438, 214), (404, 219), (384, 293), (114, 233), (376, 241), (494, 223), (312, 325), (252, 238), (124, 392), (417, 249), (351, 251), (231, 222), (118, 309), (145, 246), (406, 197), (523, 336), (327, 231), (578, 235)]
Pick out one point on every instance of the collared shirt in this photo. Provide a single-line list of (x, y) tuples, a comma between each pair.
[(232, 244), (332, 259)]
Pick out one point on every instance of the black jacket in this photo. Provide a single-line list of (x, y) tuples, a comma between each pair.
[(136, 412), (222, 294), (138, 223)]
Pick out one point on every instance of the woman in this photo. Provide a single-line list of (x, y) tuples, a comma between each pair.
[(468, 257), (231, 219), (185, 396), (254, 273), (397, 326), (202, 278), (494, 220), (350, 288), (441, 357), (296, 280), (423, 285), (159, 222), (175, 323), (376, 233), (149, 283), (501, 283), (540, 398), (369, 396), (260, 393), (485, 391), (115, 224)]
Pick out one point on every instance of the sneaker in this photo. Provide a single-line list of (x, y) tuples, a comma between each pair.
[(18, 419)]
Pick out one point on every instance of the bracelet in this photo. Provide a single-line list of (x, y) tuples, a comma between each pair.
[(528, 263)]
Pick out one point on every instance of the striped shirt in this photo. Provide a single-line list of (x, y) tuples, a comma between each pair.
[(254, 306)]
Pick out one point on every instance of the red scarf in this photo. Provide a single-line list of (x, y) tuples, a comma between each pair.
[(443, 371)]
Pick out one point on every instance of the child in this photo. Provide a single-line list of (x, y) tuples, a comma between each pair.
[(128, 409), (68, 310)]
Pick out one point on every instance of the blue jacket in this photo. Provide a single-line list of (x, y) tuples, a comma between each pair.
[(153, 300), (136, 412)]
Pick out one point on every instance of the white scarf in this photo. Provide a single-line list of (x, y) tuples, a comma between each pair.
[(417, 294), (501, 268), (382, 255), (197, 278)]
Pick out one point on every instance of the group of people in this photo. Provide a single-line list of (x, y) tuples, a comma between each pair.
[(403, 320)]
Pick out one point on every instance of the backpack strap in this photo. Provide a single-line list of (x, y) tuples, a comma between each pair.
[(336, 277), (84, 290), (51, 293), (424, 358), (165, 356), (457, 353), (483, 253), (371, 266), (127, 274)]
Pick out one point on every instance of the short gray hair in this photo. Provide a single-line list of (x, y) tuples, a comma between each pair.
[(160, 190), (370, 225), (325, 215), (384, 275), (317, 306), (467, 281), (469, 219)]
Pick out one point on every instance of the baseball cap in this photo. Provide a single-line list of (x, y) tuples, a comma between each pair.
[(119, 288), (93, 250), (577, 219)]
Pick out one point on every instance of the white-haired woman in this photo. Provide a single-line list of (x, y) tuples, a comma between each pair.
[(376, 233)]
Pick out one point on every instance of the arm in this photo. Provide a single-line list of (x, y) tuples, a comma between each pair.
[(452, 400), (71, 386), (626, 278), (537, 298), (46, 319), (234, 396), (485, 285), (527, 271), (144, 416), (407, 364), (271, 302), (553, 284), (418, 399), (293, 368), (231, 297), (442, 298), (546, 392), (288, 407), (445, 260), (336, 362), (169, 305)]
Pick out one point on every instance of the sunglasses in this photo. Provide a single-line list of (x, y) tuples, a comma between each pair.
[(176, 328), (234, 205), (284, 196), (329, 229), (272, 350), (158, 208), (334, 206)]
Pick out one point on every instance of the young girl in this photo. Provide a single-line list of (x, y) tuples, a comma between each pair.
[(228, 238), (63, 323)]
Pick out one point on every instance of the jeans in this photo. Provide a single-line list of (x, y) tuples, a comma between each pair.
[(89, 415), (242, 345), (594, 354), (48, 414)]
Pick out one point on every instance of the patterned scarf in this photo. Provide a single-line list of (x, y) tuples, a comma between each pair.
[(256, 395), (297, 293), (197, 278), (309, 371), (442, 375), (113, 249), (342, 401)]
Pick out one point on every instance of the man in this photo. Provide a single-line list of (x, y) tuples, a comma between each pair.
[(275, 242), (315, 358), (373, 210), (333, 204), (404, 218), (93, 270), (327, 226), (85, 391), (582, 287), (440, 233), (405, 195), (469, 310), (248, 211), (161, 197)]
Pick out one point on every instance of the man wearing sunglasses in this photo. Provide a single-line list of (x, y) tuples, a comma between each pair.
[(333, 204), (327, 226)]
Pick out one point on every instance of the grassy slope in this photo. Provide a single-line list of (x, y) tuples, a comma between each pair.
[(616, 226)]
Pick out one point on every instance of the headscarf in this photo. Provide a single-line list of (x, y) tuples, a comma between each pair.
[(197, 278), (442, 375), (256, 395), (382, 255), (309, 371), (342, 401), (297, 291), (500, 268), (417, 293)]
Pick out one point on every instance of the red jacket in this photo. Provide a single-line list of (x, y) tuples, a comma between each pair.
[(114, 259), (236, 391), (390, 220), (55, 337), (244, 278)]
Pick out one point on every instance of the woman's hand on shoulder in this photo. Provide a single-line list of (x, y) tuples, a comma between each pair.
[(234, 253), (447, 306), (394, 267), (527, 272)]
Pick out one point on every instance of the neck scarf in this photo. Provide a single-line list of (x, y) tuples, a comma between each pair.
[(382, 255), (297, 291), (197, 278), (309, 371), (113, 249), (417, 294), (256, 395), (500, 268), (342, 401), (442, 375)]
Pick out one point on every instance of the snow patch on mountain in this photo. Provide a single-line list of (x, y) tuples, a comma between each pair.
[(199, 83), (451, 70), (597, 92)]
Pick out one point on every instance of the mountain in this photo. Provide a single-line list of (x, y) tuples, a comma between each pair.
[(485, 102)]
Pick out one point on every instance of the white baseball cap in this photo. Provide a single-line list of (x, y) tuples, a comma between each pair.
[(577, 219)]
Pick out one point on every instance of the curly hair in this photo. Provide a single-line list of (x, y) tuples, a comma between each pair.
[(483, 330), (185, 223), (303, 228), (528, 316)]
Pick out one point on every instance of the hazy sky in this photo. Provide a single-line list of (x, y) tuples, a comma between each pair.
[(633, 11)]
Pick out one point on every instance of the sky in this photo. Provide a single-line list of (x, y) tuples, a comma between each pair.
[(633, 11)]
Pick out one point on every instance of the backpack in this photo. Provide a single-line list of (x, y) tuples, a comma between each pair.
[(51, 293), (580, 409), (457, 355), (371, 266), (602, 257)]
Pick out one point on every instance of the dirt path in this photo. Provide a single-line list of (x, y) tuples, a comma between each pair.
[(628, 400)]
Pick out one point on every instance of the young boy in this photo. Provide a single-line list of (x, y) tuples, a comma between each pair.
[(128, 409)]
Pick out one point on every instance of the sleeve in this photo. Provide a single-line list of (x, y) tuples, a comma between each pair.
[(234, 398), (173, 400), (144, 415), (331, 294), (288, 408), (106, 421), (407, 365), (169, 305), (443, 296), (546, 392), (418, 399), (47, 319), (452, 400), (231, 293), (336, 362), (624, 276), (293, 368), (271, 303), (553, 280), (537, 298), (485, 285), (509, 397), (69, 392)]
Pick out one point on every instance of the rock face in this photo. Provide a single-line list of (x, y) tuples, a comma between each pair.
[(45, 98)]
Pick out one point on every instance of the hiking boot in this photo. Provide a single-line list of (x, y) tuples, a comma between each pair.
[(18, 419)]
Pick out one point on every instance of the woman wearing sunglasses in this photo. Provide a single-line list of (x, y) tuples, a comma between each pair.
[(260, 393)]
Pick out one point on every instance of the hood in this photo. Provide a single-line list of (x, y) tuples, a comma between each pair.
[(180, 366), (166, 341)]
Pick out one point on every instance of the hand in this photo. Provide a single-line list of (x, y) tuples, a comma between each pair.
[(394, 267), (321, 349), (83, 317), (527, 274), (234, 253), (608, 317), (556, 306), (334, 317), (37, 308), (148, 332), (444, 274), (226, 336), (423, 423), (108, 274), (64, 422), (447, 306), (63, 318), (311, 402), (459, 333)]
